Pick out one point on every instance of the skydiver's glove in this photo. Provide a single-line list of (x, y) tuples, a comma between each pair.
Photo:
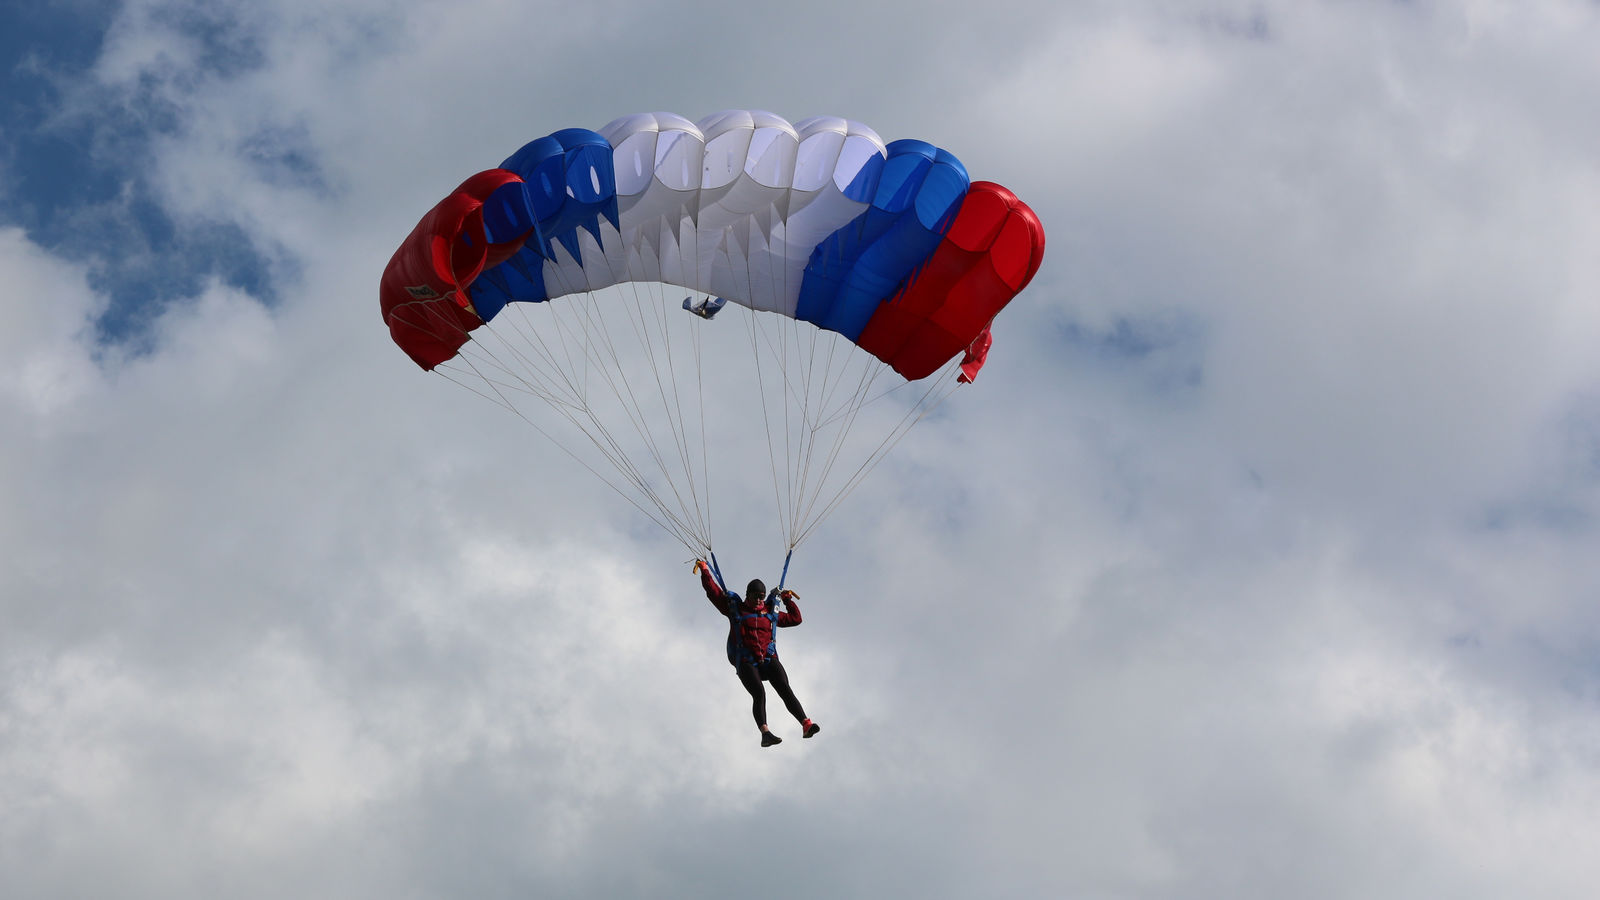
[(788, 595), (700, 565)]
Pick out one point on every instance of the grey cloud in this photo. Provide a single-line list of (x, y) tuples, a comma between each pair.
[(1256, 563)]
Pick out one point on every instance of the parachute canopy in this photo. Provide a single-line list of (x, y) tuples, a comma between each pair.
[(891, 246), (819, 227)]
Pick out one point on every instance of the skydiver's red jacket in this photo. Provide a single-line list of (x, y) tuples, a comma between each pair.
[(751, 635)]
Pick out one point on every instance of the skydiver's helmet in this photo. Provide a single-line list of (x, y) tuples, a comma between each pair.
[(755, 591)]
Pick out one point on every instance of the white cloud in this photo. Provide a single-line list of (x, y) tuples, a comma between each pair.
[(1230, 576), (51, 310)]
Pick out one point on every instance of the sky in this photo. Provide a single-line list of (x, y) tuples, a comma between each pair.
[(1258, 563)]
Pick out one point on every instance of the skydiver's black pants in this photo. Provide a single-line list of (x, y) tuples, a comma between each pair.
[(752, 674)]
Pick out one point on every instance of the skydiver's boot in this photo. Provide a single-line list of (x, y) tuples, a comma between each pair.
[(810, 728), (768, 739)]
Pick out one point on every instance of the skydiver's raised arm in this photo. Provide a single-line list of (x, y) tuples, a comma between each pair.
[(714, 591)]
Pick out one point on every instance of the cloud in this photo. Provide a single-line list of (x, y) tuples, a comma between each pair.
[(52, 309), (1257, 563)]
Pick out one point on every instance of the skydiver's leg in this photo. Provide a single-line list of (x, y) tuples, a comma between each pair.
[(751, 679), (774, 672)]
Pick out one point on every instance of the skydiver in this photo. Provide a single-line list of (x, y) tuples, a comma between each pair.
[(753, 647)]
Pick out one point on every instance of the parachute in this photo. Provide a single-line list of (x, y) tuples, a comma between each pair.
[(863, 268)]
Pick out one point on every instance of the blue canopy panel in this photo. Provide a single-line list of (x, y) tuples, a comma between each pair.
[(570, 184), (862, 264)]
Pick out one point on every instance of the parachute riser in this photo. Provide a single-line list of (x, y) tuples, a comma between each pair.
[(785, 575), (716, 570)]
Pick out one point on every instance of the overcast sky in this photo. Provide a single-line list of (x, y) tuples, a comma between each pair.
[(1259, 562)]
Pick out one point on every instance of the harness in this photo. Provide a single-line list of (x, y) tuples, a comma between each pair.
[(738, 652)]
